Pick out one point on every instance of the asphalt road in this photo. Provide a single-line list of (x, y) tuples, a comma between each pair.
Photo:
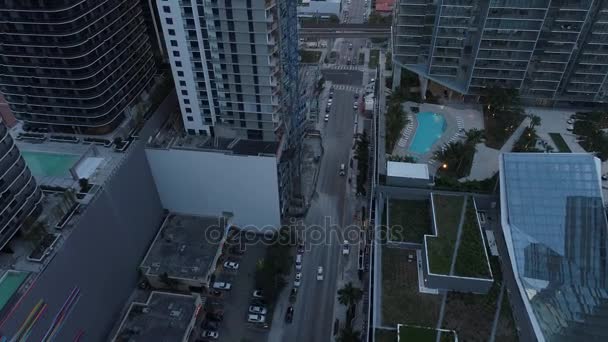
[(349, 77), (314, 308)]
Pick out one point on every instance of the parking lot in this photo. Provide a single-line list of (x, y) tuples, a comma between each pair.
[(235, 302)]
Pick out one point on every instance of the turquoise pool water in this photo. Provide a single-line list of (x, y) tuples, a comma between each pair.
[(49, 164), (9, 284), (430, 128)]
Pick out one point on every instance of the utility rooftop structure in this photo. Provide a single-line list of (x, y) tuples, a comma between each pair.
[(163, 317), (185, 252), (552, 51), (555, 229)]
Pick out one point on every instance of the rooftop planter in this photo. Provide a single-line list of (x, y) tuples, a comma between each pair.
[(38, 137), (64, 138), (98, 141), (44, 247)]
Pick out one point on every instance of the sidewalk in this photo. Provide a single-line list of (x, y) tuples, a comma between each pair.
[(485, 161)]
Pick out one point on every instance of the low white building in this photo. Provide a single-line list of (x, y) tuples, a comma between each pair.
[(206, 176), (308, 8), (408, 174)]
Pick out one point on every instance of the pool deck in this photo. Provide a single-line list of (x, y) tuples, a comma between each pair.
[(110, 160), (470, 117)]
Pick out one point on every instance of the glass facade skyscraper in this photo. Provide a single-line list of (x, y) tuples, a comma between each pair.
[(73, 65), (552, 51)]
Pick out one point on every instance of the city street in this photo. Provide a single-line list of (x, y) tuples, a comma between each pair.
[(332, 207), (314, 309)]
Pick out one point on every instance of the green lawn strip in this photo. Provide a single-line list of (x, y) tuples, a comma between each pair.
[(471, 259), (409, 220), (401, 301), (417, 334), (505, 330), (308, 56), (374, 55), (383, 335), (560, 142), (471, 315), (440, 249)]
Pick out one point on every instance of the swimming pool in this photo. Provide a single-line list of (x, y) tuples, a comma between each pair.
[(49, 164), (430, 128), (9, 284)]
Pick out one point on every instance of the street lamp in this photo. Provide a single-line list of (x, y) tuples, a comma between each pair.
[(445, 166)]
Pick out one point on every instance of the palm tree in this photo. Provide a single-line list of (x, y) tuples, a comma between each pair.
[(474, 136), (349, 295), (534, 121), (348, 334)]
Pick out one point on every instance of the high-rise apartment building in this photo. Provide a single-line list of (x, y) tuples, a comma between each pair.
[(19, 194), (73, 65), (235, 66), (552, 51)]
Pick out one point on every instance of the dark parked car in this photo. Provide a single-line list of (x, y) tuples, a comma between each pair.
[(289, 315), (210, 325), (218, 317)]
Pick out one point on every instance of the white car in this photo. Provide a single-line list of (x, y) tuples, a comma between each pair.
[(254, 309), (210, 334), (298, 281), (355, 106), (570, 121), (258, 294), (219, 285), (345, 249), (326, 118), (570, 128), (320, 273), (298, 275), (231, 265), (255, 318)]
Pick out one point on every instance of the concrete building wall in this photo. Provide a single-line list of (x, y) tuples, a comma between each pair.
[(211, 183), (407, 182), (100, 256)]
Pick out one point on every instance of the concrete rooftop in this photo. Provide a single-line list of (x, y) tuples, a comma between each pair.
[(169, 138), (164, 317), (185, 247)]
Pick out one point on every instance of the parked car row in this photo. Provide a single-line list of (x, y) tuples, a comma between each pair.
[(257, 310), (214, 307)]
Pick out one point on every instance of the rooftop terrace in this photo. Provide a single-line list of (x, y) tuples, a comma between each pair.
[(185, 247), (163, 317), (170, 138)]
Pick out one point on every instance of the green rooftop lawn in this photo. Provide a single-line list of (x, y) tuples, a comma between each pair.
[(409, 220), (471, 260), (401, 302), (560, 142), (440, 249), (420, 334), (383, 335), (374, 55), (310, 56)]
